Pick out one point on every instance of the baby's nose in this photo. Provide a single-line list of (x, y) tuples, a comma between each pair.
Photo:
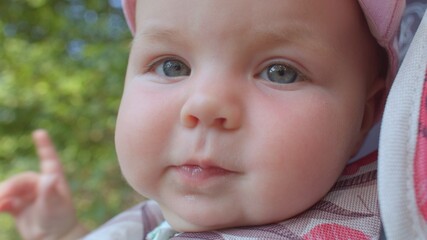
[(211, 110)]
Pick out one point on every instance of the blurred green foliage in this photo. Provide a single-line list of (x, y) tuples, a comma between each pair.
[(62, 65)]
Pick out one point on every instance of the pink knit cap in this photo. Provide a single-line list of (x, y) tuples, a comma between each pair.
[(383, 17)]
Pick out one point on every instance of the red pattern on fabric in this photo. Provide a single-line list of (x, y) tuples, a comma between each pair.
[(420, 163), (334, 231)]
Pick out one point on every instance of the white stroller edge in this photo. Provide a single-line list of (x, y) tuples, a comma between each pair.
[(401, 210)]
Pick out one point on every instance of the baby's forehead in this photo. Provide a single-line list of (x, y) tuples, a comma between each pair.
[(292, 18), (251, 12), (316, 25)]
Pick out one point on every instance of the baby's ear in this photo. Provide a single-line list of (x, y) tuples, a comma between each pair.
[(374, 107)]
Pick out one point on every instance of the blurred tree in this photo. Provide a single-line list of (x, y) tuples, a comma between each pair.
[(62, 65)]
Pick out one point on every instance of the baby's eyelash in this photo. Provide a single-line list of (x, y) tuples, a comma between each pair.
[(153, 64)]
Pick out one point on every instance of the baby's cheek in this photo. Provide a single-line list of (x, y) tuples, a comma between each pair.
[(300, 190), (308, 158), (140, 143)]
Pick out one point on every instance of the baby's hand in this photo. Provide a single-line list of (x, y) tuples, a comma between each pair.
[(41, 203)]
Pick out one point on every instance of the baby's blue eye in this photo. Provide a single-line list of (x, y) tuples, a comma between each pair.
[(173, 68), (280, 73)]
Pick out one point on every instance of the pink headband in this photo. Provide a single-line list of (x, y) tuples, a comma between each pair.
[(129, 7), (383, 17)]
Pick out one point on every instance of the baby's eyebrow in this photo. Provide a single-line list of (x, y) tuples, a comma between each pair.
[(293, 34), (154, 34), (158, 33)]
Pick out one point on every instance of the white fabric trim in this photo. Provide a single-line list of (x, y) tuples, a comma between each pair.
[(398, 137)]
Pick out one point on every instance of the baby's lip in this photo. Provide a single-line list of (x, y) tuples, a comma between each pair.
[(200, 171), (197, 171), (205, 165)]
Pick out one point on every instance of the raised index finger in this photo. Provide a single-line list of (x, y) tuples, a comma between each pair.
[(49, 160)]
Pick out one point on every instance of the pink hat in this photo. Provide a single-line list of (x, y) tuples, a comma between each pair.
[(383, 17), (129, 7)]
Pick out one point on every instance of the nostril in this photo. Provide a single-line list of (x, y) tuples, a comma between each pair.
[(190, 121), (220, 122)]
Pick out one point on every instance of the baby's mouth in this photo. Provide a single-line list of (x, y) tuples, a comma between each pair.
[(196, 171), (200, 175)]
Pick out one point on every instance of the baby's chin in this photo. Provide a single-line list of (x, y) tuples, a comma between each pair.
[(182, 225), (200, 222), (190, 222)]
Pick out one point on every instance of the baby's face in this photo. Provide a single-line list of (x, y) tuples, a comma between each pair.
[(243, 112)]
